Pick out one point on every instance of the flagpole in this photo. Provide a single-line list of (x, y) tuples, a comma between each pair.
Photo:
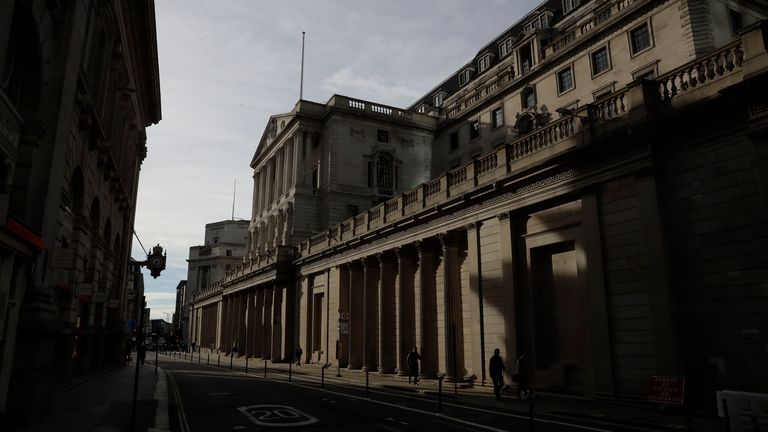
[(301, 84)]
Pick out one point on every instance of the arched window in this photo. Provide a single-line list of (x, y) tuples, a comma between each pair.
[(529, 97), (107, 233), (385, 173)]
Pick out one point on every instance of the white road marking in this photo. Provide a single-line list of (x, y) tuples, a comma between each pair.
[(276, 416)]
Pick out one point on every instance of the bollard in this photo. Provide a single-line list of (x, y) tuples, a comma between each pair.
[(366, 383), (246, 365), (218, 362), (322, 377), (209, 359), (199, 360), (440, 393), (530, 411), (290, 371), (231, 359), (265, 368)]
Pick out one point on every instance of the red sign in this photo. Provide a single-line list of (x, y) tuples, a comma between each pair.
[(666, 389)]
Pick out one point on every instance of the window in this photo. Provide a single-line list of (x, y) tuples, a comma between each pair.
[(505, 47), (540, 22), (640, 38), (384, 174), (474, 129), (370, 174), (565, 80), (647, 72), (421, 109), (229, 252), (600, 61), (454, 141), (484, 62), (737, 23), (382, 136), (464, 77), (497, 117), (438, 99), (568, 5), (529, 97)]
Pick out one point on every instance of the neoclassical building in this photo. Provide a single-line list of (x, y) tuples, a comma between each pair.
[(588, 191), (79, 85)]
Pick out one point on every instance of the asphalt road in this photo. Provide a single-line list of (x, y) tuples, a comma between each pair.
[(207, 398)]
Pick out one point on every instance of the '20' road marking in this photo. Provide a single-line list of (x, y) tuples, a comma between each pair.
[(276, 415)]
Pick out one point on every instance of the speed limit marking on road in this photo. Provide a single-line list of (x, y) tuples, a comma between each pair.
[(276, 415)]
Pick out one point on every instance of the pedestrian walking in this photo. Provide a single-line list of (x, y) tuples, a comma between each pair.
[(298, 352), (496, 368), (142, 353), (413, 365)]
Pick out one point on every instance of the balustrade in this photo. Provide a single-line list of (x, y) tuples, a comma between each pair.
[(716, 65)]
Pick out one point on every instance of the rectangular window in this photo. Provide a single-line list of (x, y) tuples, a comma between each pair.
[(505, 47), (568, 5), (639, 38), (382, 136), (421, 109), (737, 23), (565, 80), (600, 61), (464, 77), (438, 99), (483, 63), (529, 98), (454, 141), (497, 117), (474, 129)]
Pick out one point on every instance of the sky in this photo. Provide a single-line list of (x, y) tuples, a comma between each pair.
[(225, 69)]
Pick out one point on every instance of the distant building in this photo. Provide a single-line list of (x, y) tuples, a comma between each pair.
[(223, 250), (79, 85), (588, 190)]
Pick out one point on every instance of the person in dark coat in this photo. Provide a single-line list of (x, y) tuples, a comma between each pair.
[(298, 353), (413, 365), (496, 369)]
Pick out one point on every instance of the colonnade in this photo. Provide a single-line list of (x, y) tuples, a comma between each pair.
[(396, 299)]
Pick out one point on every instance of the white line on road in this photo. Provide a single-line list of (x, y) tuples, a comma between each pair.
[(180, 406)]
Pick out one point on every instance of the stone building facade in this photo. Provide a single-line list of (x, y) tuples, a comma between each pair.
[(222, 251), (596, 201), (79, 84)]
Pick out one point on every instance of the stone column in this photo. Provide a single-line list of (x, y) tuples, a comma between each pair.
[(428, 303), (386, 311), (266, 342), (356, 313), (452, 329), (277, 323), (509, 235), (289, 146), (476, 319), (405, 305), (258, 322), (242, 335), (279, 181), (255, 202)]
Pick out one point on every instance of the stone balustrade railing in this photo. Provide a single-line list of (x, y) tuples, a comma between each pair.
[(718, 64)]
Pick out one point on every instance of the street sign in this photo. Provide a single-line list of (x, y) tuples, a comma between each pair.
[(666, 389)]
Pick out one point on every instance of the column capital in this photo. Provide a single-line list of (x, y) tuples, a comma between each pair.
[(473, 225), (504, 216)]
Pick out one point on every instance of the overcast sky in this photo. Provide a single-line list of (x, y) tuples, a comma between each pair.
[(225, 69)]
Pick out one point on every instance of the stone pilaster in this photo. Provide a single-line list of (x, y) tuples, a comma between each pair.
[(475, 321), (428, 303), (266, 342)]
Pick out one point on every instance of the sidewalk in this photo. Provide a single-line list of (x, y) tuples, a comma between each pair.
[(103, 402), (559, 407)]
